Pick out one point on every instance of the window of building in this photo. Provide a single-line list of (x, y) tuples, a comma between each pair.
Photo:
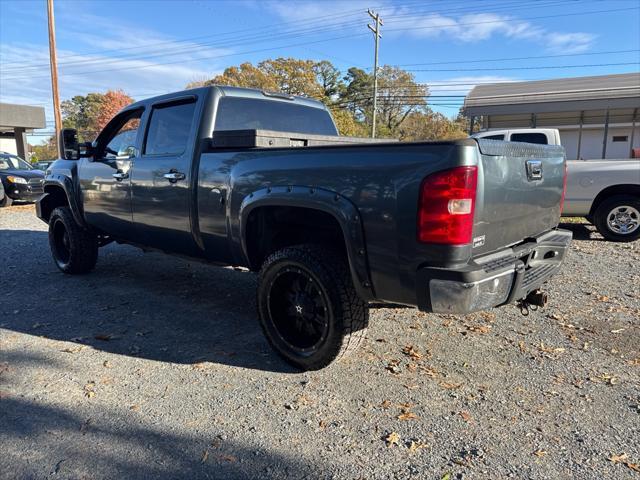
[(620, 138)]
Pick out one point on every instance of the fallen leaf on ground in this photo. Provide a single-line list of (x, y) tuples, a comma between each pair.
[(428, 371), (205, 455), (466, 416), (407, 415), (392, 439), (618, 330), (105, 337), (618, 458), (106, 364), (546, 349), (450, 386), (385, 404), (479, 328), (540, 453), (228, 458), (135, 408), (415, 446), (89, 391), (412, 352), (521, 346)]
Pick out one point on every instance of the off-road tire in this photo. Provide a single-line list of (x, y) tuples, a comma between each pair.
[(80, 252), (602, 212), (348, 314)]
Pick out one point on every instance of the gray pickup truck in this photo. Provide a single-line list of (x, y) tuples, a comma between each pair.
[(332, 224)]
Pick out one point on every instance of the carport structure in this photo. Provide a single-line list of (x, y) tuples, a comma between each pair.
[(598, 116), (16, 121)]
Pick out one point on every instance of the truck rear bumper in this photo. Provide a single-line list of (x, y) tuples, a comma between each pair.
[(496, 279)]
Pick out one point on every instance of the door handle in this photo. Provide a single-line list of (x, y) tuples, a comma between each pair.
[(120, 175), (174, 176)]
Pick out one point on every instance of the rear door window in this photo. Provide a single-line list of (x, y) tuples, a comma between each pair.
[(532, 137), (169, 128), (494, 137)]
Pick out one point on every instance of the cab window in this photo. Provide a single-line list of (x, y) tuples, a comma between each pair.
[(539, 138), (169, 128)]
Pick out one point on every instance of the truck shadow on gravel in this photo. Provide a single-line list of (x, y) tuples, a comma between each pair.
[(113, 444), (582, 231), (141, 305)]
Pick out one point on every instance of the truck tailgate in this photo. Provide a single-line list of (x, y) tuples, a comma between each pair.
[(519, 192)]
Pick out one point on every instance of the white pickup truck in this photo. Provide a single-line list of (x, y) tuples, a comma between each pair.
[(606, 192)]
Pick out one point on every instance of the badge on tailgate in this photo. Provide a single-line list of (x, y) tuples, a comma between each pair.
[(534, 170)]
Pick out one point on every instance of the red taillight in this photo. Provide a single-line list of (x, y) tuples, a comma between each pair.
[(564, 187), (447, 203)]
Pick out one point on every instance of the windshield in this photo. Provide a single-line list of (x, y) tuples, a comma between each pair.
[(11, 162)]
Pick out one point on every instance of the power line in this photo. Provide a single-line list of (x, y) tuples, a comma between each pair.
[(539, 67), (238, 41), (269, 29), (457, 62)]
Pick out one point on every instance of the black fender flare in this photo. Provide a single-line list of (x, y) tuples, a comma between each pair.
[(336, 205), (64, 183)]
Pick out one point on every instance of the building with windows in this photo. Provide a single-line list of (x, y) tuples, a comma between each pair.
[(598, 117), (15, 122)]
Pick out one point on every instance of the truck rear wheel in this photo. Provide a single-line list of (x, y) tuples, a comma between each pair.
[(618, 218), (74, 249), (308, 307)]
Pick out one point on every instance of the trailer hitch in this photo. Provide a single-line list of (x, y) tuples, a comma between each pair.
[(533, 301)]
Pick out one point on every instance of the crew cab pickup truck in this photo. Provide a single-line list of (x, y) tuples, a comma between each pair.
[(605, 192), (248, 178)]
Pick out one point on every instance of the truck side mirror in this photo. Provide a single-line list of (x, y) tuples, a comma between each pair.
[(69, 143)]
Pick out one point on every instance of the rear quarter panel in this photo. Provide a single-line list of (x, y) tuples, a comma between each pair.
[(382, 181)]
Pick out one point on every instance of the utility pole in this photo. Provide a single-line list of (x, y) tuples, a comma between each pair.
[(54, 75), (377, 36)]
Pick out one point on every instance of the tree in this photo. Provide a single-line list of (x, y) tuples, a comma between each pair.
[(246, 75), (430, 126), (90, 113), (112, 102), (398, 96), (328, 77), (81, 112), (293, 76), (45, 151)]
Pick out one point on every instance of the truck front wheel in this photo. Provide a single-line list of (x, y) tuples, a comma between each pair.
[(308, 306), (74, 249), (618, 218)]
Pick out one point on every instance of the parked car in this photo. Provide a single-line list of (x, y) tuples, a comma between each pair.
[(605, 192), (43, 165), (260, 180), (20, 180)]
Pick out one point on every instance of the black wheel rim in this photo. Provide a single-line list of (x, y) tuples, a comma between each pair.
[(298, 310), (61, 243)]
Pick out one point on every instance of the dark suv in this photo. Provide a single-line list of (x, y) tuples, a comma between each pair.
[(20, 180)]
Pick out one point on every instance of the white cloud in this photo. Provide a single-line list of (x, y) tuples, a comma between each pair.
[(466, 28), (569, 42)]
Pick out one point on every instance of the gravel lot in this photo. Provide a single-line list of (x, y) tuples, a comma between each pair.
[(152, 367)]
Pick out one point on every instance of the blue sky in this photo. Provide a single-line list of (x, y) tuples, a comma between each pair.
[(147, 47)]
